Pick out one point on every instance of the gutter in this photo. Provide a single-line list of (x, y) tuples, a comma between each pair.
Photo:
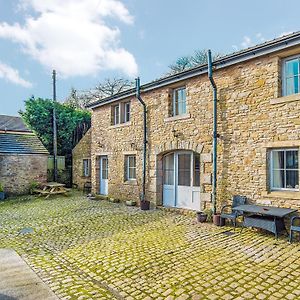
[(266, 48), (215, 134), (138, 96)]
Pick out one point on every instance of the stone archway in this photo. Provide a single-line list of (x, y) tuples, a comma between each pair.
[(167, 147)]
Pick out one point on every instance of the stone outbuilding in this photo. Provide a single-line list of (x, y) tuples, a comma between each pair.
[(81, 161), (258, 132), (23, 157)]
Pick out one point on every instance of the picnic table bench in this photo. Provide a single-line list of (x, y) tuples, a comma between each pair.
[(51, 188), (269, 218)]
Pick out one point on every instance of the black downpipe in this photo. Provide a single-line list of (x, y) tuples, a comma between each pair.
[(215, 133), (138, 96)]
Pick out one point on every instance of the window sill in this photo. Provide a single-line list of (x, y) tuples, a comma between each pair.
[(130, 182), (120, 125), (177, 118), (285, 99), (282, 194)]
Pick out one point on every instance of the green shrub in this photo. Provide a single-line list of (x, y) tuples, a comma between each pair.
[(1, 188), (209, 213), (32, 186)]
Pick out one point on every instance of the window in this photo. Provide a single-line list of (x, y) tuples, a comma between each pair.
[(196, 169), (116, 114), (290, 78), (104, 168), (179, 102), (120, 113), (130, 167), (86, 167), (169, 169), (284, 173), (126, 112)]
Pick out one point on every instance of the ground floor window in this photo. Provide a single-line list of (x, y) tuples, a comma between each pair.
[(86, 167), (130, 167), (284, 169)]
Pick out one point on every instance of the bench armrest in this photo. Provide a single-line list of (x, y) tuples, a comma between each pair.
[(294, 218), (224, 207)]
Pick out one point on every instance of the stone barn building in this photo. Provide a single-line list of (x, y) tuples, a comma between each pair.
[(258, 124), (81, 161), (23, 157)]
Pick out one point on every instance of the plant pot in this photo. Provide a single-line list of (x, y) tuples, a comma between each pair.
[(145, 205), (2, 196), (130, 203), (218, 221), (114, 200), (201, 217)]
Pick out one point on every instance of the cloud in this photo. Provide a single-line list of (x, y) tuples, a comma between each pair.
[(13, 76), (249, 42), (72, 36)]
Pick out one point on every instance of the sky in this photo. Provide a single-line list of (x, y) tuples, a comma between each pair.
[(86, 41)]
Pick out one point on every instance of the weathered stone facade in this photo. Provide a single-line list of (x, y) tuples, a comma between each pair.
[(80, 152), (252, 118), (18, 171)]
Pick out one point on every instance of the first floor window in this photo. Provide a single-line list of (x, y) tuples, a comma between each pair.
[(284, 171), (126, 112), (291, 76), (179, 101), (86, 167), (116, 115), (130, 167), (120, 113)]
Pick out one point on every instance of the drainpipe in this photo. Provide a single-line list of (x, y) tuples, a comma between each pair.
[(215, 134), (138, 96)]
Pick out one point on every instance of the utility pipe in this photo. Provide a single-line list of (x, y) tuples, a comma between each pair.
[(215, 134), (54, 128), (138, 96)]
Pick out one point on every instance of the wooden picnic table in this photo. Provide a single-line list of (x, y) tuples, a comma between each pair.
[(52, 188)]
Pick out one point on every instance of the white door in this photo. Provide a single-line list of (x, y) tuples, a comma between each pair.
[(169, 180), (184, 180), (103, 175), (181, 182)]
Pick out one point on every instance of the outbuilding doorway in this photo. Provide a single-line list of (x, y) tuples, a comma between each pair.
[(181, 180)]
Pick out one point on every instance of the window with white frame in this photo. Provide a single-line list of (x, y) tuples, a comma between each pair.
[(126, 117), (86, 167), (116, 114), (120, 113), (284, 169), (179, 101), (291, 76), (130, 167)]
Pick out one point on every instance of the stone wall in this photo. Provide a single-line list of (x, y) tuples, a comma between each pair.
[(252, 118), (17, 172), (81, 151)]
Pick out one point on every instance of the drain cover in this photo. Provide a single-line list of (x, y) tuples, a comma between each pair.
[(228, 233), (26, 230)]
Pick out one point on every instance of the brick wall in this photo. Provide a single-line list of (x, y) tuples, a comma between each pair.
[(18, 171)]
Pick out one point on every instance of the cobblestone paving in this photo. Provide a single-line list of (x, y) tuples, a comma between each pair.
[(88, 249)]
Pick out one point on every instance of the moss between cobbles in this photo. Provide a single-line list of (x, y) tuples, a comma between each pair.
[(99, 250)]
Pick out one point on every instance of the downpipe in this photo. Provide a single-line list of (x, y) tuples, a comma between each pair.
[(215, 133), (138, 96)]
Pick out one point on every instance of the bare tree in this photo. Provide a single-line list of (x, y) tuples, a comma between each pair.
[(186, 62), (110, 87), (107, 88)]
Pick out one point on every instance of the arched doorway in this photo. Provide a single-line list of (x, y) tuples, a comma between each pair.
[(181, 179)]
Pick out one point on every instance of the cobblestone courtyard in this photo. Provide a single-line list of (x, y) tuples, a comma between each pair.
[(88, 249)]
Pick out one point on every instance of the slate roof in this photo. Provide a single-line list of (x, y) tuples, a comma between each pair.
[(21, 144), (11, 123)]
